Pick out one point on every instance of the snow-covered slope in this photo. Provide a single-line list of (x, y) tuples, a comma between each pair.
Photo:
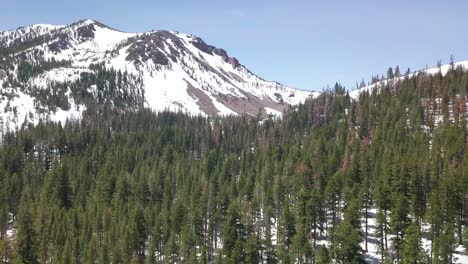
[(443, 69), (24, 34), (171, 70)]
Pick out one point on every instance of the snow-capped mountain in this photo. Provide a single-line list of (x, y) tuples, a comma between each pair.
[(57, 72)]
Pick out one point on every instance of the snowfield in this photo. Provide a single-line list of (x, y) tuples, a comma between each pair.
[(443, 69), (179, 71)]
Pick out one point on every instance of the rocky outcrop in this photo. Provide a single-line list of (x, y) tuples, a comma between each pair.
[(85, 32), (173, 70), (153, 47), (202, 46), (203, 101), (61, 42)]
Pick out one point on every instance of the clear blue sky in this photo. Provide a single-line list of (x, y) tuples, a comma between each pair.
[(304, 44)]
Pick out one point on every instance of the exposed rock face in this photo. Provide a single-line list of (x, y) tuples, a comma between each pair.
[(202, 46), (60, 43), (234, 62), (203, 101), (152, 46), (86, 32), (169, 70)]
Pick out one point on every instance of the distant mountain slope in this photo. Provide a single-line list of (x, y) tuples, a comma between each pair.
[(54, 72), (443, 69)]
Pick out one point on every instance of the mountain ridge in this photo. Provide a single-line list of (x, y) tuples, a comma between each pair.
[(171, 71)]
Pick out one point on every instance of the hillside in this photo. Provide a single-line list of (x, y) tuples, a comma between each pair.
[(53, 73), (378, 178)]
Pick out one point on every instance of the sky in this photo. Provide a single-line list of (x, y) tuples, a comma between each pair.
[(305, 44)]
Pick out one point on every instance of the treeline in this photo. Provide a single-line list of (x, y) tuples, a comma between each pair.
[(27, 70), (139, 187), (96, 87)]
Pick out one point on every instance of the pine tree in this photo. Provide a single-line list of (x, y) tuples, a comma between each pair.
[(252, 248), (139, 187), (26, 240), (90, 254), (233, 233), (346, 248), (390, 73), (300, 247), (66, 257), (317, 214), (380, 233), (5, 250), (399, 221), (287, 228), (397, 71), (322, 255), (412, 251), (443, 245)]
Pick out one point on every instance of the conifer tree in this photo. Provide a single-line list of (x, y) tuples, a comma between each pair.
[(300, 247), (26, 240), (412, 251), (346, 239), (322, 255)]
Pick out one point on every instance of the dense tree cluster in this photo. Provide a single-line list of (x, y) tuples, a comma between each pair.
[(27, 70), (139, 187)]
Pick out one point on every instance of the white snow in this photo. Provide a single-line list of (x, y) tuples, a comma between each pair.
[(168, 92), (165, 87), (273, 112), (18, 108), (443, 69), (58, 75), (373, 253), (93, 50), (27, 32)]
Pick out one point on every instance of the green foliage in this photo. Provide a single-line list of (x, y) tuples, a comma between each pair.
[(345, 240), (27, 70), (300, 247), (139, 187), (322, 256), (26, 240), (412, 251)]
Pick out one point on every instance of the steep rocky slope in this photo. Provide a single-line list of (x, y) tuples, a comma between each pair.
[(57, 72)]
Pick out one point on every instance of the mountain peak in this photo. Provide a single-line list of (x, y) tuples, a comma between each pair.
[(89, 21), (162, 70), (86, 22)]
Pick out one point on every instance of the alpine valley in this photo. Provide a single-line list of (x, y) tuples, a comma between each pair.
[(157, 147)]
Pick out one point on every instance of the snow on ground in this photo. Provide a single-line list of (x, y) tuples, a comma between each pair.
[(273, 112), (119, 62), (11, 231), (168, 92), (443, 69), (57, 75), (82, 54), (244, 80), (74, 113), (15, 107), (372, 255), (460, 256), (27, 32), (165, 86), (18, 108)]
